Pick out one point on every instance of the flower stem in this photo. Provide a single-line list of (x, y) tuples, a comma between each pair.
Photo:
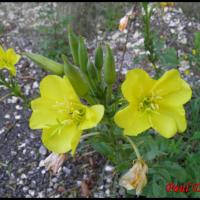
[(109, 94), (134, 147), (89, 100), (89, 134)]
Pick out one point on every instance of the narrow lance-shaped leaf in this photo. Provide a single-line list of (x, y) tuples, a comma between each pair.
[(76, 78), (73, 42), (82, 55), (46, 63)]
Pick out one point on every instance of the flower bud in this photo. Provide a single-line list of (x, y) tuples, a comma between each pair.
[(91, 70), (76, 78), (109, 67), (99, 57), (73, 42), (46, 63), (135, 178), (82, 55)]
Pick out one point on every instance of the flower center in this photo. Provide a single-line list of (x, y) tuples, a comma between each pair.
[(76, 112), (149, 103), (5, 61)]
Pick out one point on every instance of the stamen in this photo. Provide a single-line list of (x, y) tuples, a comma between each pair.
[(149, 103)]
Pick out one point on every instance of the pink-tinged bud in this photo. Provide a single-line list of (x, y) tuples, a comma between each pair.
[(53, 162), (123, 23)]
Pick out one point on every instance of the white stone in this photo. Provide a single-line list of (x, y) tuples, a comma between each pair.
[(7, 116), (109, 168)]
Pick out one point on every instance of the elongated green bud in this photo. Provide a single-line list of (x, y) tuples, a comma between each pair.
[(109, 67), (92, 71), (99, 57), (76, 78), (73, 42), (82, 55), (46, 63)]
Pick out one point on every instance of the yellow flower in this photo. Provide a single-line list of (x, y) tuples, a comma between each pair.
[(154, 103), (135, 178), (61, 115), (194, 52), (166, 4), (187, 72), (8, 59), (123, 23), (185, 57)]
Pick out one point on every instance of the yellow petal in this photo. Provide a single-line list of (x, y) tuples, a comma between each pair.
[(164, 124), (8, 59), (45, 113), (59, 138), (57, 88), (173, 90), (12, 69), (176, 113), (12, 57), (75, 142), (131, 120), (93, 116), (2, 52), (136, 84)]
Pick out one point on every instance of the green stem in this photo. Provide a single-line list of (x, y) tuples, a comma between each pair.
[(89, 99), (14, 88), (109, 94), (89, 134), (134, 147), (99, 75)]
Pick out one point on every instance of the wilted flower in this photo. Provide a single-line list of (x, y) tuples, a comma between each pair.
[(8, 59), (135, 178), (124, 20), (61, 115), (154, 103), (53, 162), (123, 23)]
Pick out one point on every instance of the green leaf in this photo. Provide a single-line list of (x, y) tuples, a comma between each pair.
[(158, 43), (196, 136), (158, 187), (168, 57), (175, 170)]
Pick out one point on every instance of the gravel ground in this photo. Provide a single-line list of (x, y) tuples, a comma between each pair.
[(21, 148)]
